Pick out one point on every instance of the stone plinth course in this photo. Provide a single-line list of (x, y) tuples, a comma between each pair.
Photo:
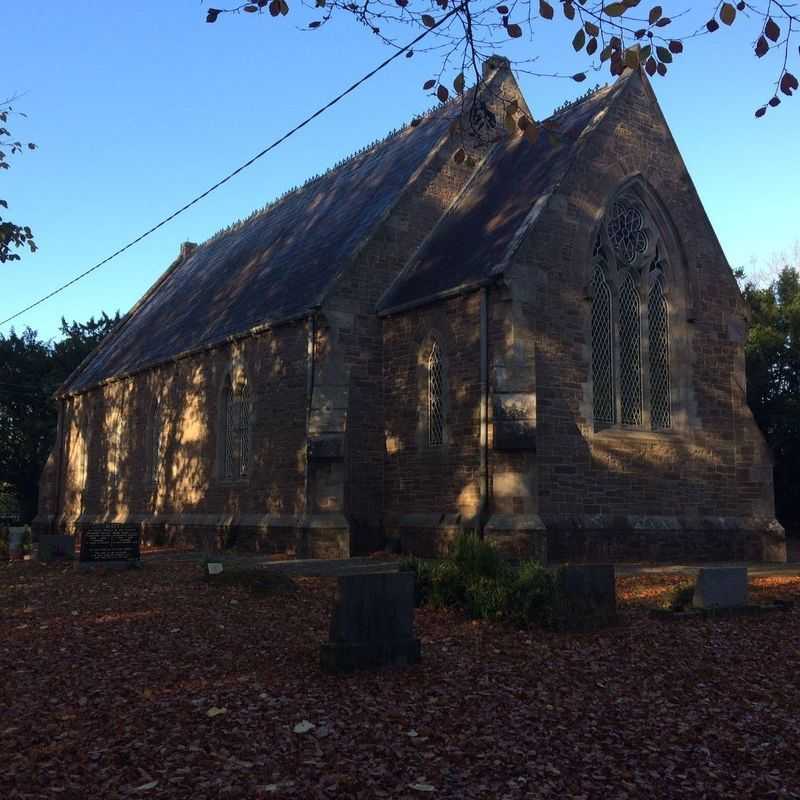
[(720, 587), (372, 624)]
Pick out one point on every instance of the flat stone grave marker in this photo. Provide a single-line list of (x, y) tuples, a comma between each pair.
[(586, 597), (720, 587), (372, 624), (16, 543), (56, 547), (110, 544)]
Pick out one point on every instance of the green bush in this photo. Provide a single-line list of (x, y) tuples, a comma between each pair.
[(532, 595), (475, 557), (422, 584), (448, 585), (476, 579), (487, 598)]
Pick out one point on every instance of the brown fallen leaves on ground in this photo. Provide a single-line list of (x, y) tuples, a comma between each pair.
[(155, 684)]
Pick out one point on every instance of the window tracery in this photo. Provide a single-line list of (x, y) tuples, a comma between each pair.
[(602, 348), (435, 397), (236, 434), (630, 321), (626, 231)]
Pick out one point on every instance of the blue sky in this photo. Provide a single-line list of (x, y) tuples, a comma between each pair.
[(137, 107)]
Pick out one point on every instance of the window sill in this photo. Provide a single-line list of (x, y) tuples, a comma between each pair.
[(636, 434)]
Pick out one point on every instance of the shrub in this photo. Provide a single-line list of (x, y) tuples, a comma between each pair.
[(532, 595), (476, 579), (422, 578), (448, 584), (486, 598), (476, 557)]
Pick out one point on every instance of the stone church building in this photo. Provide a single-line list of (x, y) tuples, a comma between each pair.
[(541, 342)]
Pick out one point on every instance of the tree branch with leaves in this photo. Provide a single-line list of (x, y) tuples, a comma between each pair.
[(12, 235), (613, 35)]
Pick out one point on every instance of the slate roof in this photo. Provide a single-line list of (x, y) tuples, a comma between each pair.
[(279, 263), (479, 234), (273, 266)]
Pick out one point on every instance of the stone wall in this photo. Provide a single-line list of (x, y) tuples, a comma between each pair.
[(432, 491), (108, 468), (671, 488)]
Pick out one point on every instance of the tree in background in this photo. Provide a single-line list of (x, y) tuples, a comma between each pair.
[(11, 234), (30, 372), (773, 381)]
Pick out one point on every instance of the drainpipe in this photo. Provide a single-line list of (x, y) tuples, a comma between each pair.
[(484, 433)]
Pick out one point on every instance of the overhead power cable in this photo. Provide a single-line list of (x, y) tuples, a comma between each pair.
[(243, 167)]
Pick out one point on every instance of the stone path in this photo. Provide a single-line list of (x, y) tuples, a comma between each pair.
[(315, 568)]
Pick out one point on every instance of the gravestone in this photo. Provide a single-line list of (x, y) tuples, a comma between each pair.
[(16, 543), (110, 544), (372, 624), (720, 587), (56, 547), (585, 597)]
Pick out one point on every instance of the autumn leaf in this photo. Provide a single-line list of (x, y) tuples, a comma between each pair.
[(772, 30), (655, 13), (615, 9), (514, 31), (788, 83), (727, 13), (545, 9)]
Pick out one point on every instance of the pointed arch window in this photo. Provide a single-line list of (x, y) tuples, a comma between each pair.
[(435, 397), (243, 432), (236, 433), (630, 355), (602, 349), (156, 428), (660, 411), (630, 335)]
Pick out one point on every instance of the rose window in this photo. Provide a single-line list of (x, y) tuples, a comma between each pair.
[(626, 232)]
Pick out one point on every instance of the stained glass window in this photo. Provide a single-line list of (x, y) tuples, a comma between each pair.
[(660, 414), (155, 442), (435, 397), (626, 231), (630, 366), (243, 401), (229, 411), (602, 350)]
